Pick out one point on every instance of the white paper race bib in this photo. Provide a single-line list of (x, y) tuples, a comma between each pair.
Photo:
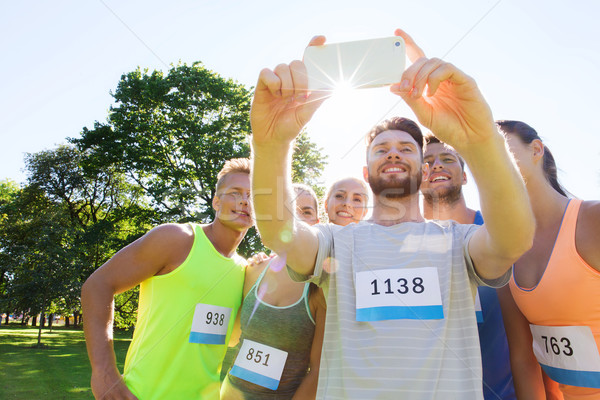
[(568, 354), (478, 310), (259, 364), (210, 324), (386, 294)]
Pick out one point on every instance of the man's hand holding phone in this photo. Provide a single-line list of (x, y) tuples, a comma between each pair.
[(282, 104)]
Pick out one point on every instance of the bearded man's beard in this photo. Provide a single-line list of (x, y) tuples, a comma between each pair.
[(395, 188), (443, 196)]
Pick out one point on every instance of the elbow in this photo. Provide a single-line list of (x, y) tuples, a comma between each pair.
[(278, 239), (87, 289)]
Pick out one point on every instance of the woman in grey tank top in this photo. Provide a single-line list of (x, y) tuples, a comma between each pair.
[(286, 315)]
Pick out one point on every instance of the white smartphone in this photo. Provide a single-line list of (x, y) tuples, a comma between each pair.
[(359, 64)]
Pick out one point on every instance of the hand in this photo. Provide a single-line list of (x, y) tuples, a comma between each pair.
[(282, 104), (110, 387), (453, 108), (259, 258)]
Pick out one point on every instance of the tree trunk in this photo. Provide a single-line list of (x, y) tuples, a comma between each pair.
[(34, 320), (50, 321), (67, 321), (6, 319), (76, 319), (39, 342), (42, 319), (23, 320)]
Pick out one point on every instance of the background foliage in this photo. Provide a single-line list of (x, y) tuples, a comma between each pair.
[(154, 160)]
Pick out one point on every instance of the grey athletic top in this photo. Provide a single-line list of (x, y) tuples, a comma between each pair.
[(415, 351), (290, 328)]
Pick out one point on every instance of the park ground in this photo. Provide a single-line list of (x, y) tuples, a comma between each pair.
[(59, 370)]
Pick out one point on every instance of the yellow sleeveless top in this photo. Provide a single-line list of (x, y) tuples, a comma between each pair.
[(166, 358)]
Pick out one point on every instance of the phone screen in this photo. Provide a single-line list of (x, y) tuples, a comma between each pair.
[(359, 64)]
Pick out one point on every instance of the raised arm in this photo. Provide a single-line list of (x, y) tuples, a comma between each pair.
[(159, 251), (280, 108), (454, 109)]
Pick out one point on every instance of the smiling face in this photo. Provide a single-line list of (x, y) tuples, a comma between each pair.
[(232, 204), (347, 202), (395, 167), (446, 174)]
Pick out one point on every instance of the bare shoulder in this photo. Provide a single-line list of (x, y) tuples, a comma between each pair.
[(169, 236), (169, 243), (590, 209), (252, 273), (172, 232), (587, 235)]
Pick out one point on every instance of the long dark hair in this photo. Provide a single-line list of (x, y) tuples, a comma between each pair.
[(527, 135)]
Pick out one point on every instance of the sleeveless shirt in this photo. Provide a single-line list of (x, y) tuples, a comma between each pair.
[(567, 294), (162, 362), (289, 328)]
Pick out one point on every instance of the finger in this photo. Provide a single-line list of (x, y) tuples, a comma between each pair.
[(421, 108), (446, 72), (300, 79), (287, 84), (318, 40), (407, 82), (413, 51), (268, 80), (422, 77)]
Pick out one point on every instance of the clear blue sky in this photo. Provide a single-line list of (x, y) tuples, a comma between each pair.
[(534, 61)]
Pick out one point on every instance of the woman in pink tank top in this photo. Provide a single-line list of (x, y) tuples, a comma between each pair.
[(551, 306)]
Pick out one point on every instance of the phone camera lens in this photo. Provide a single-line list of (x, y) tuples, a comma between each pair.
[(397, 44)]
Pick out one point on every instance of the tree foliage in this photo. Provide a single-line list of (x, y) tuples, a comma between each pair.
[(171, 135), (154, 160)]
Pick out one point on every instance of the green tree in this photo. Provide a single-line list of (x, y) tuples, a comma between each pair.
[(83, 215), (171, 133), (8, 191), (38, 239)]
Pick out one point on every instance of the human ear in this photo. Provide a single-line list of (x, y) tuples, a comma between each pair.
[(538, 149), (425, 171), (216, 203)]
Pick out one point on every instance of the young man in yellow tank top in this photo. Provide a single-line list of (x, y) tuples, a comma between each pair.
[(191, 288)]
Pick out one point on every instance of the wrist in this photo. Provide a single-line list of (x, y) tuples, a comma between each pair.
[(493, 144), (270, 147)]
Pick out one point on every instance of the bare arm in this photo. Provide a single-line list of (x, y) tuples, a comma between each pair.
[(280, 108), (159, 251), (587, 235), (308, 387), (456, 112), (527, 373)]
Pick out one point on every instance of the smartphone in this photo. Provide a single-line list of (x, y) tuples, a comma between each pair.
[(360, 64)]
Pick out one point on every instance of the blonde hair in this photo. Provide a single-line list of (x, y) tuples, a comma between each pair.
[(359, 181), (235, 165)]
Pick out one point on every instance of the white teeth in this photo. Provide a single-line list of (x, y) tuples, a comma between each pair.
[(440, 178), (344, 214), (394, 169)]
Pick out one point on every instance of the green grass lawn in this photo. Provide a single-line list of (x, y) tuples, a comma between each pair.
[(59, 371)]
